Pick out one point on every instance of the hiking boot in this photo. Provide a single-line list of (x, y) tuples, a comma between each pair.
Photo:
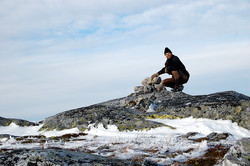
[(177, 88)]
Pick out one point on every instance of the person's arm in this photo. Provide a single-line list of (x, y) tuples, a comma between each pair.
[(154, 75), (162, 71)]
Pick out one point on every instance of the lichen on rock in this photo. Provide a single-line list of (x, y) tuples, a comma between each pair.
[(239, 154), (20, 122), (56, 157), (123, 118), (227, 105), (130, 113)]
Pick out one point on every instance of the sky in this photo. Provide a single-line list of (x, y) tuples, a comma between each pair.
[(57, 55)]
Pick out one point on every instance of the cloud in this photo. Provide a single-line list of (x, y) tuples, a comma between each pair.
[(58, 55), (69, 17)]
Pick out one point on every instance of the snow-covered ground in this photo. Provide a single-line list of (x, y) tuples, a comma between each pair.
[(162, 144)]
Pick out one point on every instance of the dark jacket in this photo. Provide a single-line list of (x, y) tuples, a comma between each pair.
[(173, 64)]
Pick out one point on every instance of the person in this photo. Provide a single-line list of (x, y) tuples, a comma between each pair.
[(176, 68)]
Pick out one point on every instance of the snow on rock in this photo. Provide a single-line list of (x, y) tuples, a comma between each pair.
[(158, 127), (162, 145), (205, 126), (17, 130), (238, 154)]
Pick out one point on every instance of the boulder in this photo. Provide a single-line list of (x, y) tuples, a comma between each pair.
[(149, 85), (150, 81), (159, 87), (146, 81), (239, 154), (139, 89), (156, 80)]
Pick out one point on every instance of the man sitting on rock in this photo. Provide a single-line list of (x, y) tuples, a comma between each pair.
[(174, 67)]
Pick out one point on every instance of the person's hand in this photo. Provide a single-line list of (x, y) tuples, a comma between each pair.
[(154, 75)]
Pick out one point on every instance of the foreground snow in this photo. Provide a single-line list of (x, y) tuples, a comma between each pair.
[(160, 144), (183, 126)]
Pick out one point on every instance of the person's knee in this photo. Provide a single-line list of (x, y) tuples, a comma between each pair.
[(164, 82), (168, 82)]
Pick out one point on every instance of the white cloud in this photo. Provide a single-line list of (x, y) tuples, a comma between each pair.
[(227, 57), (57, 55)]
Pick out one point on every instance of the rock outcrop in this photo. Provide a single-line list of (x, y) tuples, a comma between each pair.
[(134, 112), (239, 154), (131, 112), (20, 122), (123, 118), (227, 105)]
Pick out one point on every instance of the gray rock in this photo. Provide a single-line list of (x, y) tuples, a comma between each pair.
[(190, 134), (8, 136), (156, 80), (126, 112), (213, 137), (218, 136), (20, 122), (147, 81), (149, 163), (159, 87), (139, 89), (53, 157), (149, 86), (123, 118), (239, 154), (227, 105), (130, 113)]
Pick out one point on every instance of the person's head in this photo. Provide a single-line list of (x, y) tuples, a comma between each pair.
[(168, 53)]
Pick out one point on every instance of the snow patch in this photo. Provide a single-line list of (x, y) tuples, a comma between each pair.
[(205, 126), (129, 144), (151, 108), (16, 130)]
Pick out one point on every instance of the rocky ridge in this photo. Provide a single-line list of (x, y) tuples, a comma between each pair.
[(133, 112), (152, 100)]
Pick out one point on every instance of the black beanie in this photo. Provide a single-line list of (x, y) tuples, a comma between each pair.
[(167, 50)]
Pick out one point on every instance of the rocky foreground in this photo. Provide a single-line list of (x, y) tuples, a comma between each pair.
[(132, 113)]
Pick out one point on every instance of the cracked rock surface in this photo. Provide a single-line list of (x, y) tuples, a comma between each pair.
[(53, 157), (239, 154), (123, 118), (227, 105), (130, 113)]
